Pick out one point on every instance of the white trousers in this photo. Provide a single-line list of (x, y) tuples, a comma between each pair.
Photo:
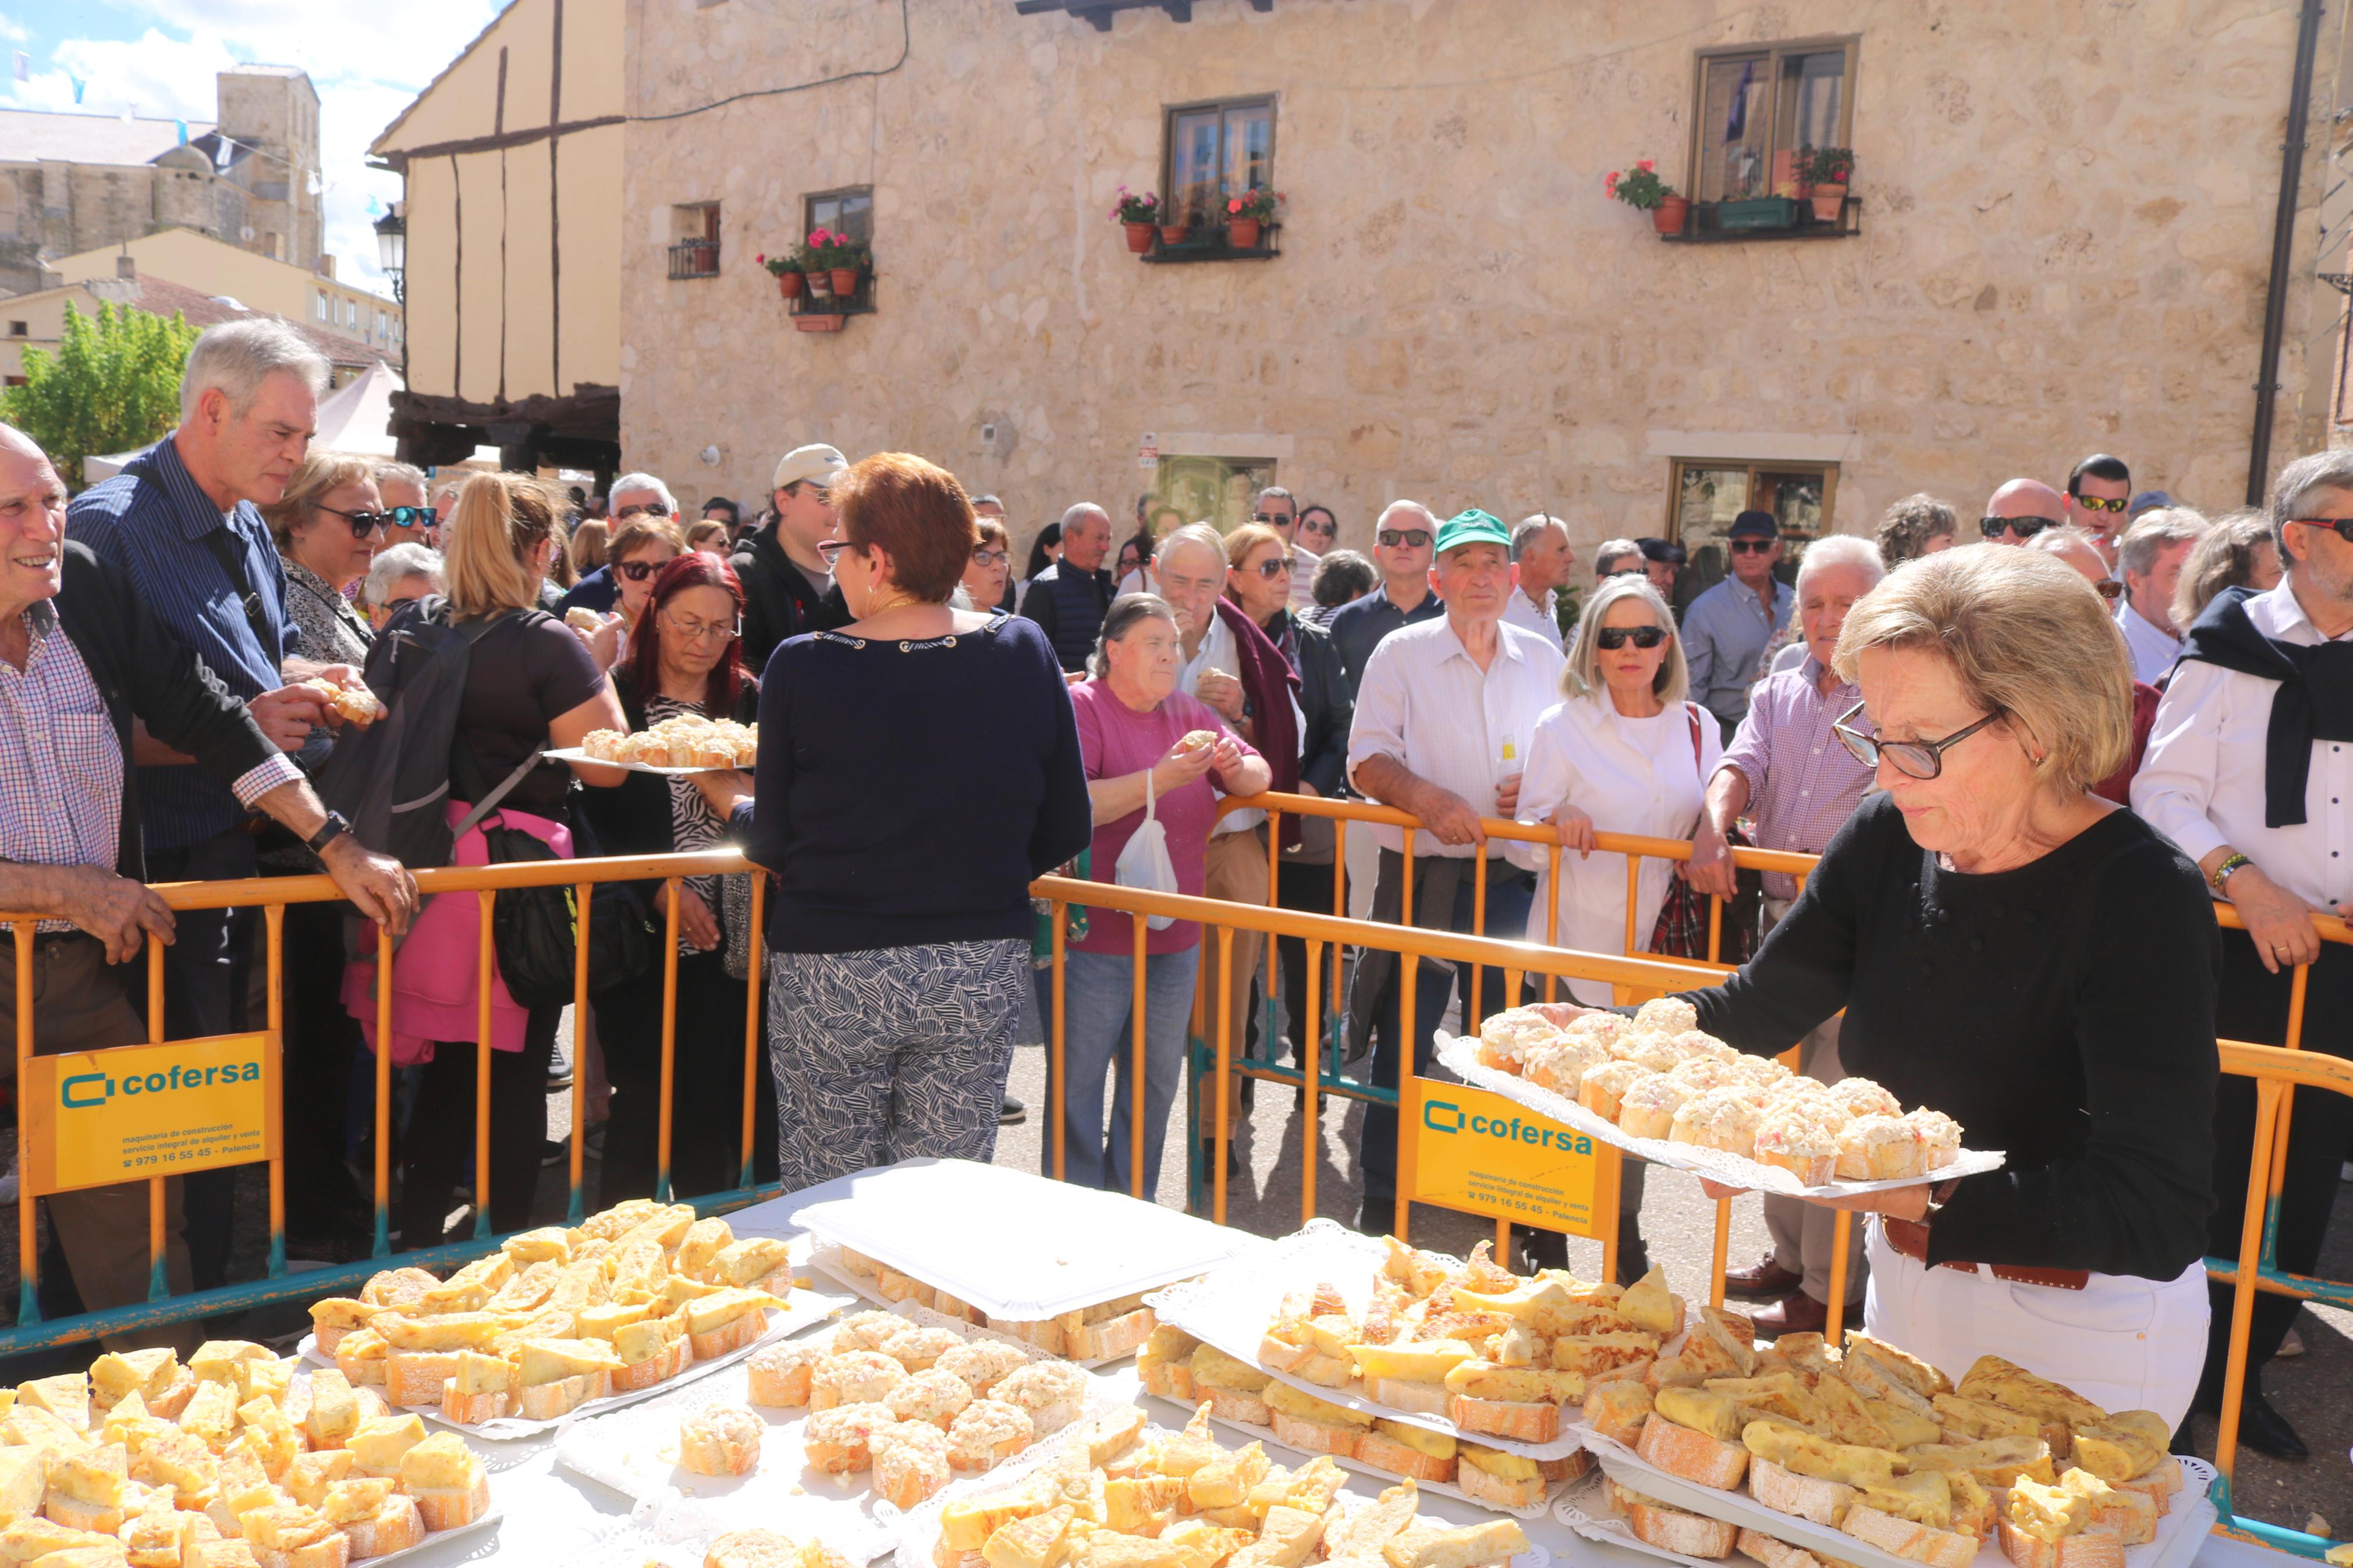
[(2122, 1342)]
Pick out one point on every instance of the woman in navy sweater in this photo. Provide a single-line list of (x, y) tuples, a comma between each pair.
[(917, 769)]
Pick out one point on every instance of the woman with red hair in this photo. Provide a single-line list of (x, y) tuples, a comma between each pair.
[(685, 656)]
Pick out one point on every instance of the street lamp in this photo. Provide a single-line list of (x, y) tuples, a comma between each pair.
[(392, 249)]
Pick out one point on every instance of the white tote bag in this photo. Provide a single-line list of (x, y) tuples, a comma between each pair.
[(1144, 862)]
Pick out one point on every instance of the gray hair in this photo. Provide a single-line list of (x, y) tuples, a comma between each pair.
[(238, 357), (1200, 533), (643, 481), (1524, 533), (2224, 558), (1840, 550), (2292, 492), (1121, 618), (1615, 550), (400, 473), (1427, 515), (395, 566), (1081, 508), (1275, 490), (1581, 674), (2154, 530)]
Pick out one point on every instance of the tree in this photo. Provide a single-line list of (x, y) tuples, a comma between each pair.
[(112, 385)]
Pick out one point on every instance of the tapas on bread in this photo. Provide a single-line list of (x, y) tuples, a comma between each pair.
[(1881, 1448), (687, 743), (353, 703), (232, 1459), (1103, 1332), (557, 1317), (1659, 1085)]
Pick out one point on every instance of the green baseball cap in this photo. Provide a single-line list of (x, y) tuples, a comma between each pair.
[(1473, 527)]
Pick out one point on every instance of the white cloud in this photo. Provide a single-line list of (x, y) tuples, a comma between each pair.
[(12, 31)]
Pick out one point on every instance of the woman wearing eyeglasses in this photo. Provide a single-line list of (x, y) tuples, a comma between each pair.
[(684, 659), (2031, 960), (984, 578)]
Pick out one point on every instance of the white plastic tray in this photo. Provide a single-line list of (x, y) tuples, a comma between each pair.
[(1461, 1056), (826, 1259), (1016, 1246), (1584, 1506), (1443, 1488), (636, 1454), (1231, 1306), (579, 755), (2180, 1533), (802, 1308)]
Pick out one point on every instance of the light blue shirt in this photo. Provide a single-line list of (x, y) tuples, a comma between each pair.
[(1725, 634)]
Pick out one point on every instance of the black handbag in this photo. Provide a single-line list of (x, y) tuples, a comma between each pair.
[(536, 930)]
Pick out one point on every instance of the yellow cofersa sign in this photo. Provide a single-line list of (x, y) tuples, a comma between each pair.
[(94, 1117), (1469, 1149)]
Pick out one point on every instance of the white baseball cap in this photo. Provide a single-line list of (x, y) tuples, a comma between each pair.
[(818, 462)]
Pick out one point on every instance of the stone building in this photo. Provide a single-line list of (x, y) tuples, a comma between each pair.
[(72, 182)]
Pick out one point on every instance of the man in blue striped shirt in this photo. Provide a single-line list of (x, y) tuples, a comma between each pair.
[(182, 524)]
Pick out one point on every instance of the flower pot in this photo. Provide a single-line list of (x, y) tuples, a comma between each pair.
[(1668, 217), (845, 282), (1172, 232), (1242, 233), (1829, 201), (820, 285), (1139, 236), (790, 284)]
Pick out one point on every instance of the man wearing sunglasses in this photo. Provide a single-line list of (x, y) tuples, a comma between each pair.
[(637, 497), (787, 586), (1727, 628), (2098, 489), (1278, 508), (1401, 549), (410, 520), (1540, 559), (2019, 509), (2250, 771)]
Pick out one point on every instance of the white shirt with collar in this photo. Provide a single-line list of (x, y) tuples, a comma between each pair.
[(1304, 562), (1218, 652), (1521, 611), (1426, 702), (2153, 649), (2202, 784)]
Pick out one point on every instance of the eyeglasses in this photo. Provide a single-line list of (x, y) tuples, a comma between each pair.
[(1751, 546), (637, 571), (650, 509), (984, 556), (2025, 527), (2341, 526), (695, 631), (2101, 503), (1916, 759), (1615, 637), (1626, 572), (414, 517), (2108, 588), (831, 550), (363, 523), (1278, 566), (1273, 517), (1411, 538)]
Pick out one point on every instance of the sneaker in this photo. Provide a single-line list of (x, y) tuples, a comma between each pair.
[(1012, 1113)]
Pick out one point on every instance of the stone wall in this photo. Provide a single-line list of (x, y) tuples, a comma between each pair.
[(2066, 225)]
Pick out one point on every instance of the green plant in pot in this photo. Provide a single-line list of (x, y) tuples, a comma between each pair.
[(1826, 169), (1248, 214), (1642, 189)]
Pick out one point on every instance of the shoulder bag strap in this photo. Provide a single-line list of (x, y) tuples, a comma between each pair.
[(1691, 712), (464, 754)]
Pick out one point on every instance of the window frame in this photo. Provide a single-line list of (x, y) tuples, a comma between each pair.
[(1773, 51), (1828, 470), (1272, 103), (688, 246), (809, 200)]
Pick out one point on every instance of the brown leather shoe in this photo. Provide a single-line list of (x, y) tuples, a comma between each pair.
[(1764, 1281), (1795, 1313)]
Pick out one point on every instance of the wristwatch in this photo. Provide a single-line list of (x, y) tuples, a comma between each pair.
[(334, 827)]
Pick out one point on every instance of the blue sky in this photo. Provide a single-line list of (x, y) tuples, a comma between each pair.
[(367, 60)]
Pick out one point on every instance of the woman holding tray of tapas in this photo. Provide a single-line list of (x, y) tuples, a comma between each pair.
[(2026, 958)]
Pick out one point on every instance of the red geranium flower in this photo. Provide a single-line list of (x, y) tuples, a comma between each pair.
[(1645, 165)]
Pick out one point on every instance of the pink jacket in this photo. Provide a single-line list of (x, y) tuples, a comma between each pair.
[(434, 996)]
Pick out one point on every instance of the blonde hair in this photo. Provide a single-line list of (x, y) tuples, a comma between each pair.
[(638, 533), (321, 472), (2027, 639), (501, 521), (588, 544), (2224, 558), (1581, 674)]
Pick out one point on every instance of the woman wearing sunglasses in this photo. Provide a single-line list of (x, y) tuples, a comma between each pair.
[(635, 554), (2031, 960)]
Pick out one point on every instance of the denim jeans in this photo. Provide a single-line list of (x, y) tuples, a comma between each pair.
[(1098, 1052)]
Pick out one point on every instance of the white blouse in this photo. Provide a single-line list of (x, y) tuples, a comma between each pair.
[(1630, 776)]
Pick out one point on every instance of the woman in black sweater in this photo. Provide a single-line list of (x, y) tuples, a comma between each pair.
[(2027, 958)]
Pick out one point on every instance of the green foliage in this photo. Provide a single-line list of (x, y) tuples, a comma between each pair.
[(112, 385)]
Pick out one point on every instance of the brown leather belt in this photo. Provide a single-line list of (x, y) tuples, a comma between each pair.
[(1911, 1238)]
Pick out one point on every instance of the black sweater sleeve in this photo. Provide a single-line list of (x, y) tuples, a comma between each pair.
[(1066, 818), (2136, 1198), (1805, 968)]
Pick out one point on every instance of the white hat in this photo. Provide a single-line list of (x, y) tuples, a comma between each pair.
[(818, 462)]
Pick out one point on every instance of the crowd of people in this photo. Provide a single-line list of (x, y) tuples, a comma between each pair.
[(2163, 701)]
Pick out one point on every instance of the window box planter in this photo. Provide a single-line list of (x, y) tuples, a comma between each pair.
[(1761, 212), (1705, 225), (830, 312), (1216, 244)]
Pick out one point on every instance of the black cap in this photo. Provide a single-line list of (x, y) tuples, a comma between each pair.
[(1661, 550), (1754, 524)]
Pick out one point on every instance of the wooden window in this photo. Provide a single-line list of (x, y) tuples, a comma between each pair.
[(1214, 151), (849, 211), (1217, 490), (1705, 494), (20, 329), (694, 252), (1754, 109)]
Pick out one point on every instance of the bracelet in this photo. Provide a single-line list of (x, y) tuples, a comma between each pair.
[(2231, 863)]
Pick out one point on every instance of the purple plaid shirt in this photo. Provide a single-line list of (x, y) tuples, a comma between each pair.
[(1802, 783), (60, 762)]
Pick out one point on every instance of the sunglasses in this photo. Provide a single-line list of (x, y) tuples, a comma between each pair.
[(363, 523), (1615, 637), (2025, 527), (2108, 588), (1323, 525), (1411, 538), (2341, 526), (1916, 759), (2101, 503), (637, 571), (1279, 567), (1626, 572), (1752, 546), (650, 509), (414, 517), (1273, 517)]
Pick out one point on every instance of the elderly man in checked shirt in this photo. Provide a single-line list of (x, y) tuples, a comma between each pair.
[(81, 659), (1799, 785)]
